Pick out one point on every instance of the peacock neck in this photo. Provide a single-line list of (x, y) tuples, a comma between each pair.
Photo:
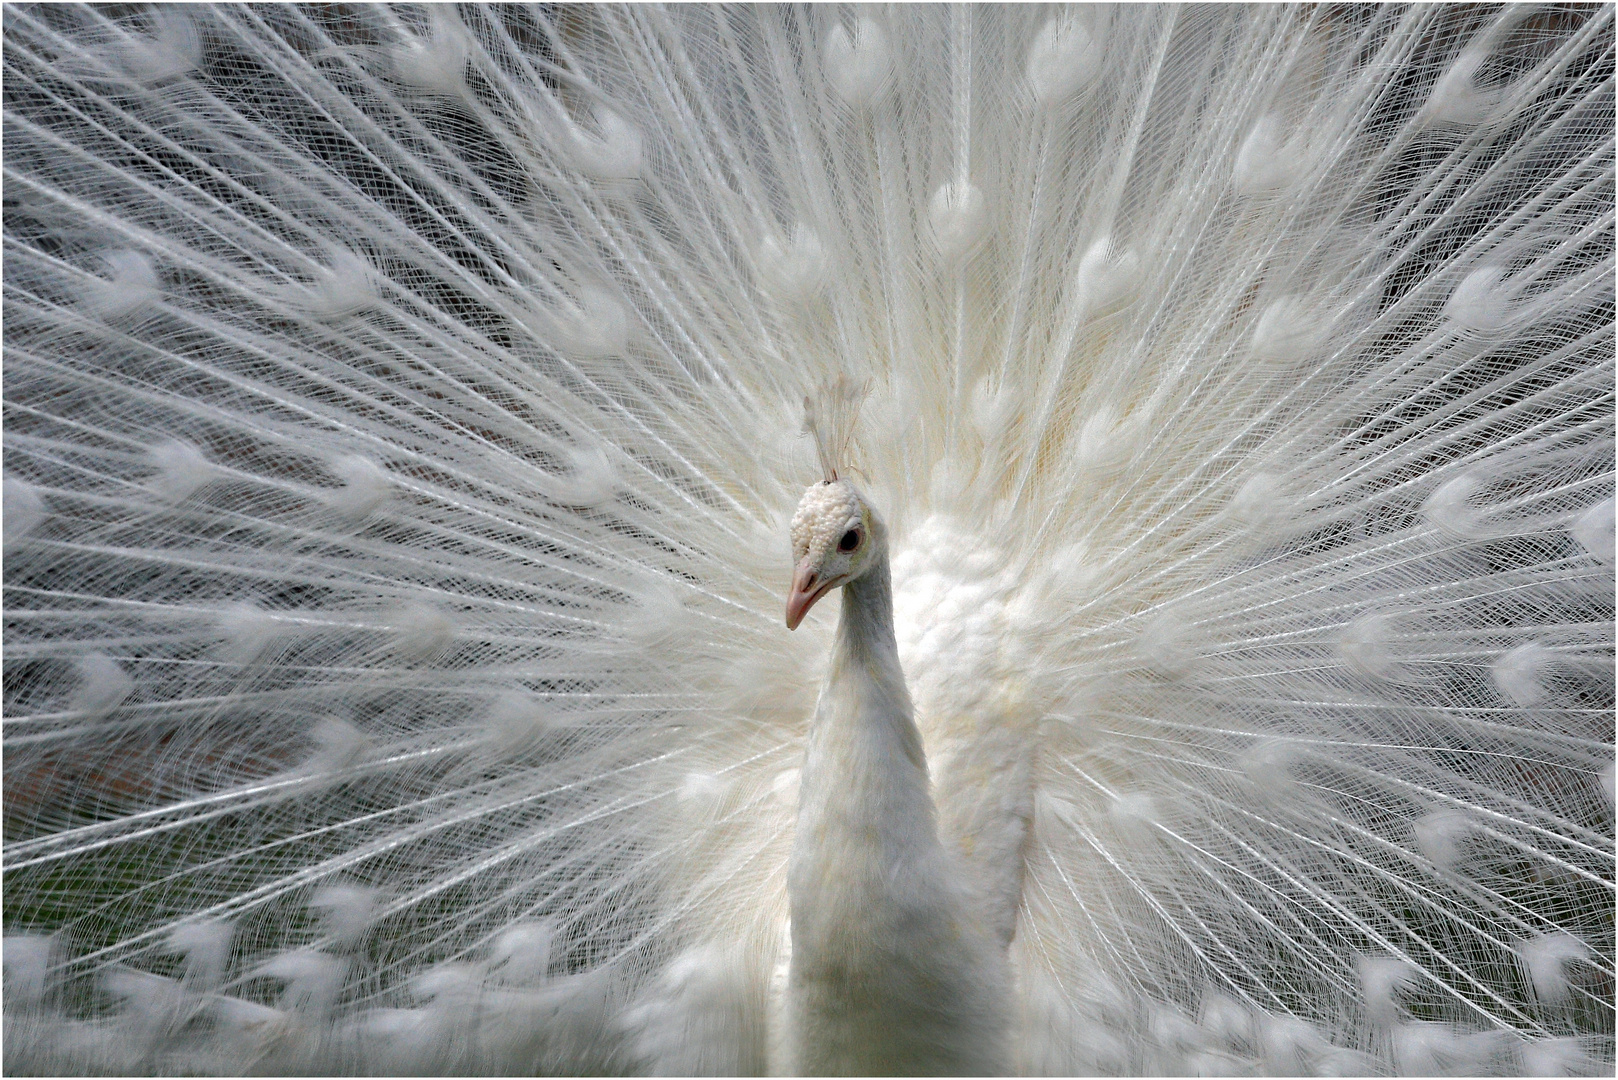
[(865, 624), (890, 973), (866, 685), (864, 795)]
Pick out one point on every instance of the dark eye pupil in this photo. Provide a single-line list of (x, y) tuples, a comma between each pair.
[(850, 540)]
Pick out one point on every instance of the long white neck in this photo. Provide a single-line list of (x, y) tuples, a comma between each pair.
[(865, 706), (863, 808), (890, 973)]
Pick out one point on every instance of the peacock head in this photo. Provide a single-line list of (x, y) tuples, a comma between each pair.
[(835, 537)]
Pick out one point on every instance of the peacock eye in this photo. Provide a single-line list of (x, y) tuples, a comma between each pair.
[(850, 540)]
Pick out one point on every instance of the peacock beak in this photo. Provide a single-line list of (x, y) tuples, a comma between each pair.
[(807, 587)]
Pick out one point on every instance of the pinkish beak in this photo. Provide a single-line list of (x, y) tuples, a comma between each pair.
[(806, 589)]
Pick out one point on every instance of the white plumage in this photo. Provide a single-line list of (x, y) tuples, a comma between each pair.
[(898, 935), (402, 440)]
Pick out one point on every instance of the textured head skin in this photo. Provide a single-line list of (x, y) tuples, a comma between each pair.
[(834, 540)]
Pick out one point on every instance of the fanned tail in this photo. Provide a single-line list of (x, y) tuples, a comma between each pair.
[(401, 425)]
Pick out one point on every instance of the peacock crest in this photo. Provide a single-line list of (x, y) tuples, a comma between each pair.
[(830, 416)]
